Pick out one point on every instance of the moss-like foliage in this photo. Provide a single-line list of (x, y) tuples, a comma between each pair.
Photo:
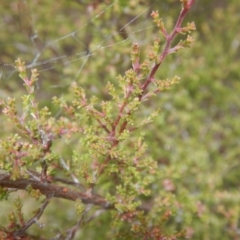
[(108, 131)]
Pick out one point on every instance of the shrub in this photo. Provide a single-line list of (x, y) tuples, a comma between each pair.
[(106, 170), (132, 170)]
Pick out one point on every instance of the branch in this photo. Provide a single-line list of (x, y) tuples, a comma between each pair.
[(34, 219), (169, 40), (72, 231), (48, 189), (68, 182)]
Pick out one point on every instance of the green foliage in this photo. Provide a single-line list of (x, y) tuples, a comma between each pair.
[(96, 134)]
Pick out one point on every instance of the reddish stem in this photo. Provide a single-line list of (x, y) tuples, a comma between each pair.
[(169, 40)]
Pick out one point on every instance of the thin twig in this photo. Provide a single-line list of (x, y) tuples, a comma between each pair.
[(169, 40), (68, 182), (34, 219), (72, 231)]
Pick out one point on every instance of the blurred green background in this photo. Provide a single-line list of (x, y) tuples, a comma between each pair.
[(195, 139)]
